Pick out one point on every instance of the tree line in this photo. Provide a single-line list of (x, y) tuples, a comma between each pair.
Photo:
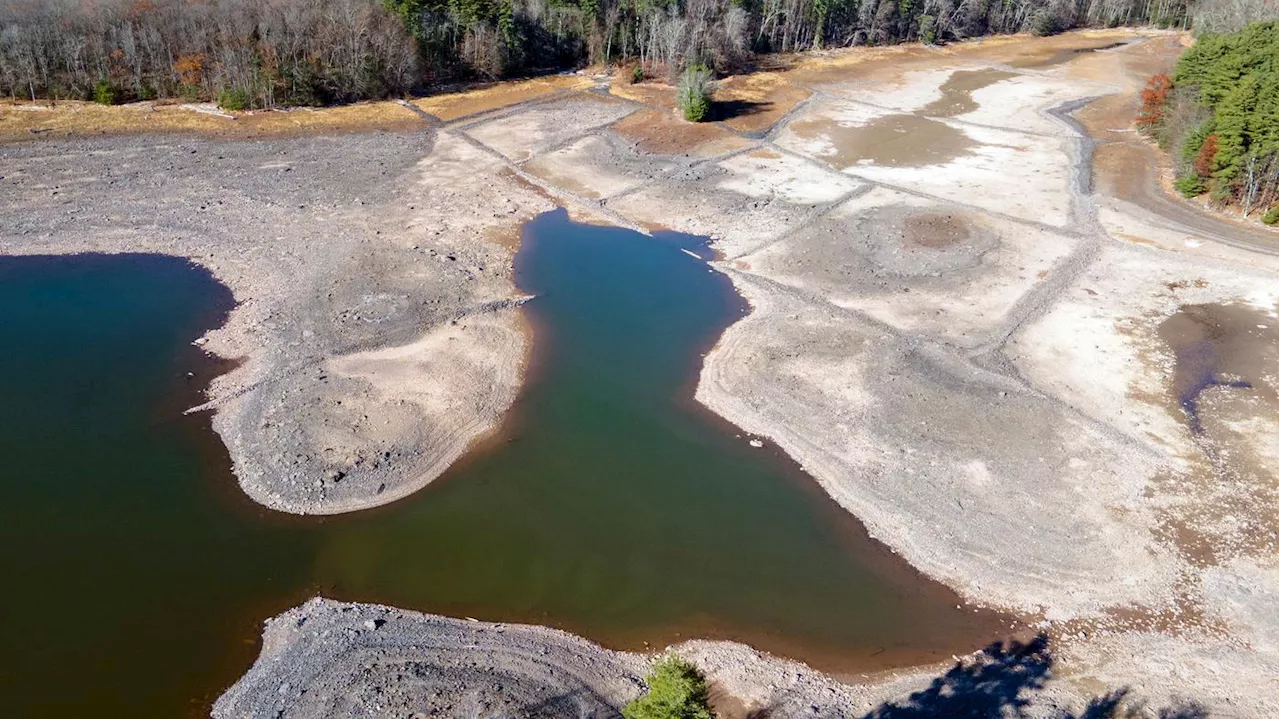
[(263, 53), (239, 52), (1219, 117)]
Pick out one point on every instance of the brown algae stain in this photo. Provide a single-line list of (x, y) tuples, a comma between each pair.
[(897, 140)]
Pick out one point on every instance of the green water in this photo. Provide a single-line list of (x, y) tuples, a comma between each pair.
[(136, 576)]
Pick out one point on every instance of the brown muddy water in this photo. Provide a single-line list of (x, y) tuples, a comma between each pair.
[(902, 139), (1214, 346), (1040, 61), (897, 140), (611, 504), (957, 91), (1225, 359)]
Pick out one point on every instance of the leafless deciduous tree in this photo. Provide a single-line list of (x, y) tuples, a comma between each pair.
[(272, 51), (269, 52)]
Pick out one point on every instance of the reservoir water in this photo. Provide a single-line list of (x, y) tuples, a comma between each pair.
[(610, 503)]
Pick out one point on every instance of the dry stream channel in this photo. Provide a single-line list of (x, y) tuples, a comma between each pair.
[(610, 504)]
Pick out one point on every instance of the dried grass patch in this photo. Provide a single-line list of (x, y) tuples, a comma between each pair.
[(70, 118)]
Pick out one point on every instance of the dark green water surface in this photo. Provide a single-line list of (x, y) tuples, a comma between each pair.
[(136, 576)]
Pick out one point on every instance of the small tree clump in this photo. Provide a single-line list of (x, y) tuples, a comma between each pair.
[(1206, 158), (1272, 216), (1189, 185), (1155, 99), (637, 73), (694, 94), (233, 99), (928, 32), (1045, 23), (104, 93), (677, 690)]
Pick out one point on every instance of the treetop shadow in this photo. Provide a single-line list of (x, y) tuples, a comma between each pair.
[(1006, 681)]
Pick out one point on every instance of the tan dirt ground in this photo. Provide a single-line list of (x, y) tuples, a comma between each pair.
[(452, 106)]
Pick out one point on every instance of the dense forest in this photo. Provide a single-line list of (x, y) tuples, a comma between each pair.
[(263, 53), (1219, 116)]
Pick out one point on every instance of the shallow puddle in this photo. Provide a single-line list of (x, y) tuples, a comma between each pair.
[(611, 504), (1218, 346), (897, 140), (1224, 372), (901, 139)]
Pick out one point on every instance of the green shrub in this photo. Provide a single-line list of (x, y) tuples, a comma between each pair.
[(1272, 216), (231, 98), (104, 93), (1045, 23), (1220, 193), (677, 690), (1189, 185), (694, 95), (928, 30), (1233, 80), (1195, 140), (637, 73)]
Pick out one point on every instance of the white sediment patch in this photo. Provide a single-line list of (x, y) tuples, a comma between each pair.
[(590, 168), (533, 131), (1204, 673), (896, 435), (1097, 348), (1019, 103), (1243, 594), (956, 288), (912, 91), (1024, 176), (765, 174), (1014, 174), (1129, 223), (745, 201)]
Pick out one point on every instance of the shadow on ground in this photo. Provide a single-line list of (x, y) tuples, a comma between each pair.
[(722, 110), (1005, 681)]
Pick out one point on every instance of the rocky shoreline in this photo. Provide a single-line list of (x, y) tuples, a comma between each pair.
[(335, 659)]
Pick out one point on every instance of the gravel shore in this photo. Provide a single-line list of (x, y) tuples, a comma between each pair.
[(376, 324)]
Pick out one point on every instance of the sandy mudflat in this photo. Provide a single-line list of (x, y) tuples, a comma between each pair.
[(969, 344)]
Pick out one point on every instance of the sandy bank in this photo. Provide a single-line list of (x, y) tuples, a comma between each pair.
[(376, 321)]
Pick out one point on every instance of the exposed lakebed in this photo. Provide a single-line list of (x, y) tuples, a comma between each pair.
[(610, 503)]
